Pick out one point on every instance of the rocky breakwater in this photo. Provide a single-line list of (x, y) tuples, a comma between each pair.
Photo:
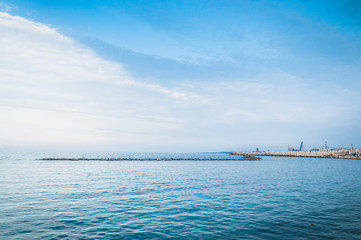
[(243, 158)]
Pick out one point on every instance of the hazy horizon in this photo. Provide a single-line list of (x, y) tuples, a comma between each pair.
[(179, 76)]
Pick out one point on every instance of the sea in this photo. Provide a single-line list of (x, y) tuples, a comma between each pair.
[(272, 198)]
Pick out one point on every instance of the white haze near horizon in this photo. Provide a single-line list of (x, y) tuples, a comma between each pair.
[(57, 93)]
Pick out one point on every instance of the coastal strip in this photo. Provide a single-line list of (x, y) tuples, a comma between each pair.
[(340, 153), (244, 158)]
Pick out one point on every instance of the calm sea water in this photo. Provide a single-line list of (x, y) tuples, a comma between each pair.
[(275, 198)]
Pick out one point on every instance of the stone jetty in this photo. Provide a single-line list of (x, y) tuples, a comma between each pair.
[(242, 158)]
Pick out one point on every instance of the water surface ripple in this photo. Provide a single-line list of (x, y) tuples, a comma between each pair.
[(275, 198)]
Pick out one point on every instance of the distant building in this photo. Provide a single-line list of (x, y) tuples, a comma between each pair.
[(291, 149), (358, 152)]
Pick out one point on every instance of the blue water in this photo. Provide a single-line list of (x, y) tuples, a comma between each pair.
[(274, 198)]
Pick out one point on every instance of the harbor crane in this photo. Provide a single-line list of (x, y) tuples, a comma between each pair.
[(301, 146)]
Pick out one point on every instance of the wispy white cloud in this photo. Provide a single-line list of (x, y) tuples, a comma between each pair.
[(45, 74), (55, 92), (7, 7)]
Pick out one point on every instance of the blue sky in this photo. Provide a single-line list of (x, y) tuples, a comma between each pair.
[(196, 75)]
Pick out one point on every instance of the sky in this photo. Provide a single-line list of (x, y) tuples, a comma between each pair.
[(179, 76)]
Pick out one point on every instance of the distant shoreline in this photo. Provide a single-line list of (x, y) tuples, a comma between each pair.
[(310, 154)]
